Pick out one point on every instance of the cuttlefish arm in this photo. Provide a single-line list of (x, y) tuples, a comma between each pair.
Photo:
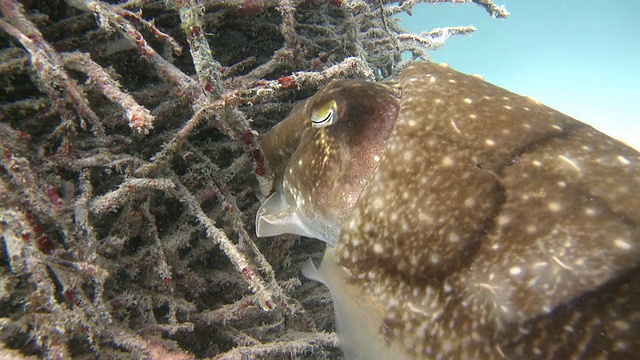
[(274, 216)]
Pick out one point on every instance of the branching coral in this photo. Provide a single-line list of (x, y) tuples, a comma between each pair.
[(130, 170)]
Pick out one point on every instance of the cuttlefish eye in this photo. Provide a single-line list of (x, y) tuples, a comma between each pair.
[(324, 115)]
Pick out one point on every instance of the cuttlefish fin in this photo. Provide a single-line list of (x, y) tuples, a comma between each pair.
[(311, 272), (276, 217), (358, 320)]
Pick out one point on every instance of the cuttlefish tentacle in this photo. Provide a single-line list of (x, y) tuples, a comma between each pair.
[(465, 221)]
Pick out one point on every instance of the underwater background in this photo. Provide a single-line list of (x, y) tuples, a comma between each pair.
[(581, 57)]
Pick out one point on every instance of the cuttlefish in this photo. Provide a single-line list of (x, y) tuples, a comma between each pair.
[(463, 221)]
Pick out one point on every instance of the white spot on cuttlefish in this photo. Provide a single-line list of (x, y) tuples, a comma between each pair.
[(455, 127), (540, 264), (503, 220), (489, 287), (622, 244), (622, 325), (533, 100), (561, 264), (554, 207), (378, 203), (570, 162), (447, 161), (623, 160)]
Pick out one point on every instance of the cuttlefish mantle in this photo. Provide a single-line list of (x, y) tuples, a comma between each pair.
[(464, 221)]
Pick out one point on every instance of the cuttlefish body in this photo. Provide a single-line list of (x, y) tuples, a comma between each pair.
[(464, 221)]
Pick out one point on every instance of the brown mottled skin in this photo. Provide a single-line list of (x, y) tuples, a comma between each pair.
[(478, 222)]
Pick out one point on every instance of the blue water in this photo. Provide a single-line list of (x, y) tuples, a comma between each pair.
[(581, 57)]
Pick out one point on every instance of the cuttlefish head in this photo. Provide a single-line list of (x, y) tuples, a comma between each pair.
[(322, 155)]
